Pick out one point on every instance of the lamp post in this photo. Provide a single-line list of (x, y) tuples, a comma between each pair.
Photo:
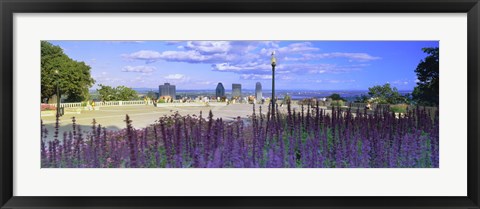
[(58, 94), (274, 63)]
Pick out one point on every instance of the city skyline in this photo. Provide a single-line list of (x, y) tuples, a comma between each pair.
[(301, 65)]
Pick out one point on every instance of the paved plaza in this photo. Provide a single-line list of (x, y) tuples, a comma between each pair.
[(113, 117)]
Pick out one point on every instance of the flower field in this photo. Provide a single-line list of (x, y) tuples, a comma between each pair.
[(305, 138)]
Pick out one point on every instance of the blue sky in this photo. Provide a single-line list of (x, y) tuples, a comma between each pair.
[(309, 65)]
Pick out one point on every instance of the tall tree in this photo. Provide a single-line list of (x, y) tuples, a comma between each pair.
[(119, 93), (72, 77), (385, 94), (427, 90), (125, 93), (107, 93)]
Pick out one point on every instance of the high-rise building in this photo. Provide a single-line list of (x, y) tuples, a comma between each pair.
[(236, 90), (258, 91), (220, 91), (167, 90)]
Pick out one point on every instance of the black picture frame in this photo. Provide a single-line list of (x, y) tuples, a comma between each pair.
[(10, 7)]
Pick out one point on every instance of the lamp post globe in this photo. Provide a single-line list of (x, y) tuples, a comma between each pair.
[(274, 63)]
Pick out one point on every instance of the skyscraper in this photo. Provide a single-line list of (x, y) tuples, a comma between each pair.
[(220, 91), (236, 90), (167, 90), (258, 91)]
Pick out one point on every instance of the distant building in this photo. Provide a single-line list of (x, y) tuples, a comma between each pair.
[(220, 91), (236, 90), (167, 90), (258, 91)]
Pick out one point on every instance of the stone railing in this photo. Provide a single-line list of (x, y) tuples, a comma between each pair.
[(128, 103), (69, 105), (104, 104)]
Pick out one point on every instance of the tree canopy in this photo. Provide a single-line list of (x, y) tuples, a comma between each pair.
[(151, 94), (427, 90), (385, 94), (119, 93), (362, 98), (336, 96), (73, 77)]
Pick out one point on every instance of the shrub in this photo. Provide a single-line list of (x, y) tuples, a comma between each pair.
[(336, 97), (45, 107), (308, 101), (399, 108), (338, 103), (287, 99)]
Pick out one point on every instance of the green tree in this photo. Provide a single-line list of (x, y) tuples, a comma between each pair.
[(336, 97), (362, 98), (125, 93), (385, 94), (151, 94), (427, 90), (72, 77), (107, 93), (119, 93)]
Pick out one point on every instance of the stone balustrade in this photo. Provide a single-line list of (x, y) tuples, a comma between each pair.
[(126, 103), (105, 104)]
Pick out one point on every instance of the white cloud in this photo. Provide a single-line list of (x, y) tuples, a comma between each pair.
[(255, 77), (251, 59), (190, 56), (177, 78), (298, 47), (209, 47), (264, 77), (359, 57), (287, 68), (204, 82), (251, 66), (173, 42), (218, 52), (295, 48), (139, 69), (399, 82), (146, 55)]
